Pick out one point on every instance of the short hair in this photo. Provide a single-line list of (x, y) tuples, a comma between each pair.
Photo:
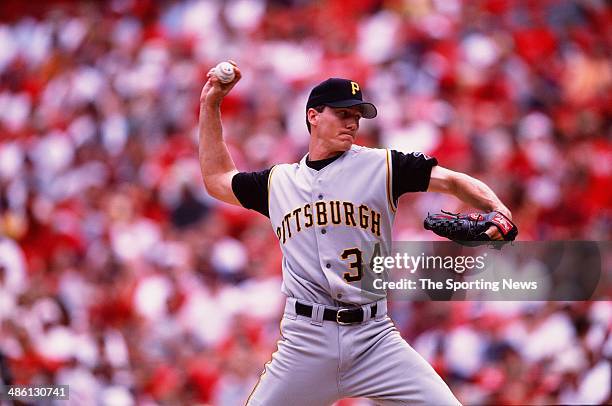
[(319, 108)]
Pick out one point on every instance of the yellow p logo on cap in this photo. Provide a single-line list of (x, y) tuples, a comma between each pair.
[(354, 87)]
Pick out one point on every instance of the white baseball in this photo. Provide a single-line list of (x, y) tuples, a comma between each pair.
[(225, 72)]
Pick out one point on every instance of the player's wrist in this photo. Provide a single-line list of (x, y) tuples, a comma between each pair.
[(211, 102)]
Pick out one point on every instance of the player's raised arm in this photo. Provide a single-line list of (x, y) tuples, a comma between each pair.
[(216, 164), (469, 190)]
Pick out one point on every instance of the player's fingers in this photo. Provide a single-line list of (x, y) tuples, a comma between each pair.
[(494, 234), (238, 74), (233, 62)]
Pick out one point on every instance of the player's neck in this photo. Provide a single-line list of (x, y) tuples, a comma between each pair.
[(318, 151)]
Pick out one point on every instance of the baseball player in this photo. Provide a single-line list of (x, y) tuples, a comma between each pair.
[(336, 338)]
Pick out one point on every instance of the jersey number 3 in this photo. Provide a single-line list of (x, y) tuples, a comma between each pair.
[(356, 265)]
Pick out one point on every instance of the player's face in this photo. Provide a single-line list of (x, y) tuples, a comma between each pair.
[(337, 127)]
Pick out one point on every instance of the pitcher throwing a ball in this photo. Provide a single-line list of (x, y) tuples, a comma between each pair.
[(337, 340)]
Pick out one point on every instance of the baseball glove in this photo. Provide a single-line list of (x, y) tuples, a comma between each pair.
[(469, 229)]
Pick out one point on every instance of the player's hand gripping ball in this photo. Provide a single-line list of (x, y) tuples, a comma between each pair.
[(225, 72)]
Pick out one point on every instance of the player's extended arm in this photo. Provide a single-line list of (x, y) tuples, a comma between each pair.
[(469, 190), (216, 164)]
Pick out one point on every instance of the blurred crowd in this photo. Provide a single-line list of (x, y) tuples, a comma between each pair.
[(121, 277)]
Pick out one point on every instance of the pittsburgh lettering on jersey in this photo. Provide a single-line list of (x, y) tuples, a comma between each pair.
[(323, 213)]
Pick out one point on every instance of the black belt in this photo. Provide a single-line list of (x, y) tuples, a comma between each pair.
[(340, 316)]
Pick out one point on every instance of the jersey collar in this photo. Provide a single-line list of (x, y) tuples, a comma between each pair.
[(321, 163)]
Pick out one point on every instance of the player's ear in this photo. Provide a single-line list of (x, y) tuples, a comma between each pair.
[(312, 116)]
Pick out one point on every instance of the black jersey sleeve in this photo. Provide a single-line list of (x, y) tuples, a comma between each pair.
[(411, 172), (251, 190)]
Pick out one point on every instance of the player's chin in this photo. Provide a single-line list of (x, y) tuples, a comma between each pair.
[(344, 146), (345, 141)]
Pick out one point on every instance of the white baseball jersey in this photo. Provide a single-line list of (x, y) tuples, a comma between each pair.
[(327, 221)]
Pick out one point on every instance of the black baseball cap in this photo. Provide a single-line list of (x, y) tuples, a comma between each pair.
[(336, 92)]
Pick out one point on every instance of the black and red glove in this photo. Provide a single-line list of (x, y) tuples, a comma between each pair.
[(470, 229)]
